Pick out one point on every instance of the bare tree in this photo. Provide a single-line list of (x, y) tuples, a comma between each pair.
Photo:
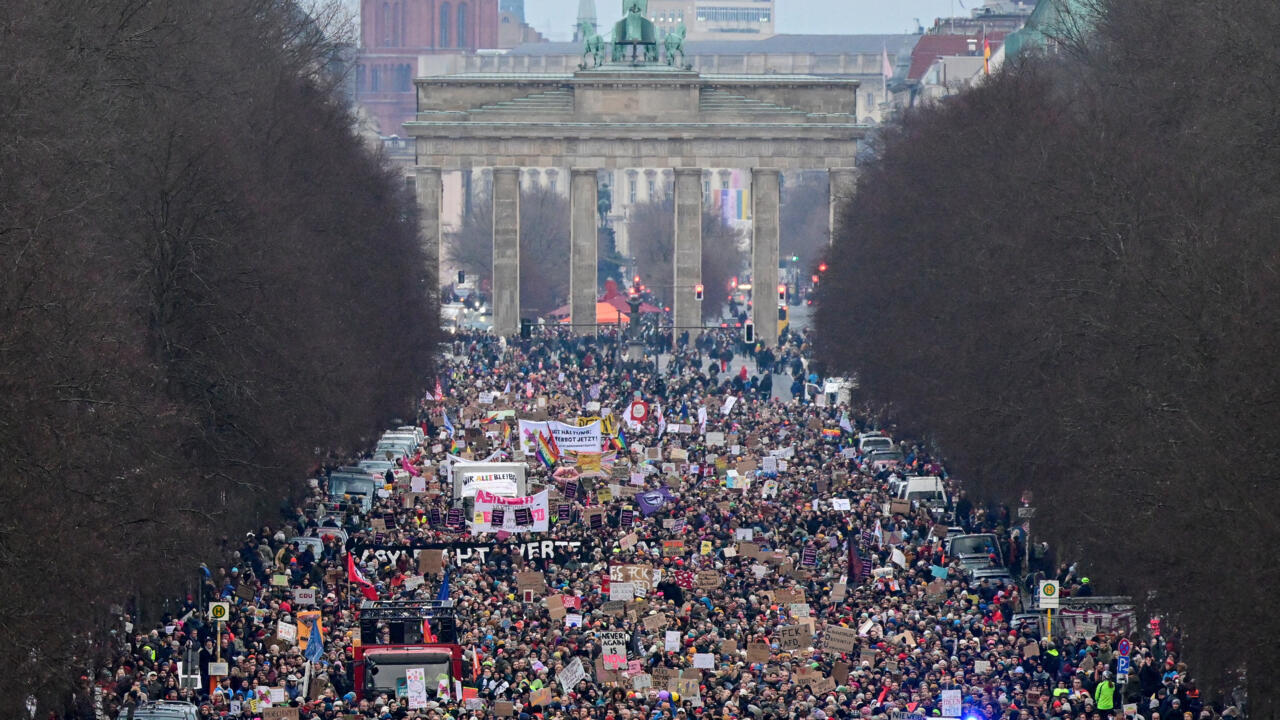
[(207, 281), (1066, 275), (650, 231), (544, 243)]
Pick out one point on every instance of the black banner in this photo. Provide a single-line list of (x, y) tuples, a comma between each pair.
[(557, 551)]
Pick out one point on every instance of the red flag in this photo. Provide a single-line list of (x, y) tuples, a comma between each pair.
[(368, 589), (684, 579)]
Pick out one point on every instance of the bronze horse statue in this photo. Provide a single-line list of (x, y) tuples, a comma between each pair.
[(674, 43), (592, 44)]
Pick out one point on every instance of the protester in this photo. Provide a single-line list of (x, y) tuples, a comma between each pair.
[(799, 589)]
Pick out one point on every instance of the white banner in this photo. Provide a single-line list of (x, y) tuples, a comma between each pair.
[(571, 675), (416, 683), (568, 437), (486, 502)]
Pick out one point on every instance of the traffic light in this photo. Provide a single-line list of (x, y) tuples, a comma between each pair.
[(815, 279), (462, 276), (822, 267), (749, 333), (697, 292), (782, 292), (795, 258)]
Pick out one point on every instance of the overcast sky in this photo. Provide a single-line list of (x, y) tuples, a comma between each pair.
[(555, 18)]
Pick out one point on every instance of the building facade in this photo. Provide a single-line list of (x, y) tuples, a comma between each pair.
[(715, 19), (394, 34)]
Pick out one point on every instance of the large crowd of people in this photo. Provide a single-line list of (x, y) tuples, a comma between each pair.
[(772, 578)]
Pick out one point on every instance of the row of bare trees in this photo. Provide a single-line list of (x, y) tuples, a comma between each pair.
[(209, 284), (1068, 279), (651, 234)]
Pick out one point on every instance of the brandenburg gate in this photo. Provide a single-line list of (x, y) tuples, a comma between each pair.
[(633, 112)]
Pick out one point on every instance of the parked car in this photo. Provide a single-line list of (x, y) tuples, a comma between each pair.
[(874, 442), (994, 575), (304, 542), (884, 459), (975, 551)]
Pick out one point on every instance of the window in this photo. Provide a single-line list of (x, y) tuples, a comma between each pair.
[(653, 191), (631, 191), (360, 79), (552, 183), (444, 25), (706, 188), (463, 37), (375, 78), (724, 183)]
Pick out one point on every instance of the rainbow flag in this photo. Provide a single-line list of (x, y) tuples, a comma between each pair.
[(831, 432), (619, 442), (546, 449)]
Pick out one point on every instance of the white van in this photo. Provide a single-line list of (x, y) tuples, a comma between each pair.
[(417, 432), (927, 491), (873, 442)]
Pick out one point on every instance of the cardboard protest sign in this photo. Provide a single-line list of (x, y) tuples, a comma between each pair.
[(758, 652), (792, 637), (655, 622), (899, 507), (788, 596), (555, 606), (728, 647), (708, 579), (663, 675), (571, 675), (840, 639), (840, 671), (671, 641), (430, 562), (672, 548), (614, 649)]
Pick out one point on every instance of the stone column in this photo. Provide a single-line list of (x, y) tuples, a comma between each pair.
[(583, 244), (428, 183), (764, 253), (687, 260), (843, 182), (506, 250)]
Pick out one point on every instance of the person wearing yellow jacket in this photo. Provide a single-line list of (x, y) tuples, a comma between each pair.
[(1104, 695)]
